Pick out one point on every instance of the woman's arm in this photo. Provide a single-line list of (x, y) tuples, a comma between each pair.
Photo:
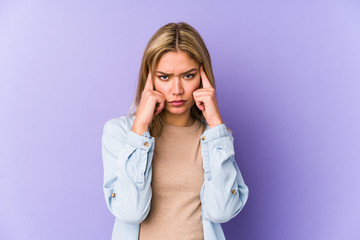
[(224, 192), (127, 160)]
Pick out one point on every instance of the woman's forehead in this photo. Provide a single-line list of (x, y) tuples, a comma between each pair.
[(176, 62)]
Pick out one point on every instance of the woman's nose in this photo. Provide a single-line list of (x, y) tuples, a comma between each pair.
[(177, 87)]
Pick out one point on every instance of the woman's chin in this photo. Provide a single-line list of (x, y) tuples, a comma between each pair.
[(177, 111)]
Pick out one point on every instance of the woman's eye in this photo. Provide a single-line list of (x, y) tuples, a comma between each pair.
[(188, 76), (164, 77)]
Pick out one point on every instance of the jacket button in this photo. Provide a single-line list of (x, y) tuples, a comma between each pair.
[(146, 144), (113, 195), (203, 138), (233, 191)]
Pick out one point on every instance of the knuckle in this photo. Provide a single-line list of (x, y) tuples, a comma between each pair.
[(147, 93)]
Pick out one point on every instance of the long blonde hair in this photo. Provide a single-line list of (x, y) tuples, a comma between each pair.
[(172, 37)]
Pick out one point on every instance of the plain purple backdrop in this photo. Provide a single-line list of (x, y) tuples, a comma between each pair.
[(288, 85)]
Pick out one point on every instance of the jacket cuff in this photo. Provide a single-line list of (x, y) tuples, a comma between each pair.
[(143, 142), (213, 133)]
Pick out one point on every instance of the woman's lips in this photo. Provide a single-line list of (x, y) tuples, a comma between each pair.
[(177, 103)]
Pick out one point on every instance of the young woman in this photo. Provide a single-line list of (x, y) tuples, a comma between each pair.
[(169, 168)]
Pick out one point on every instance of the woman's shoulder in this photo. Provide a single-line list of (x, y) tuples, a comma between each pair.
[(122, 124)]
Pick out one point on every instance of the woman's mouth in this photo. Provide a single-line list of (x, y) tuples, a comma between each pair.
[(177, 103)]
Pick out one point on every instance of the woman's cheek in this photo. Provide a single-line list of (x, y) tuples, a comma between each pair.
[(197, 85), (159, 88)]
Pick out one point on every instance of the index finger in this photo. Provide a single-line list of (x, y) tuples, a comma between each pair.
[(205, 81), (149, 83)]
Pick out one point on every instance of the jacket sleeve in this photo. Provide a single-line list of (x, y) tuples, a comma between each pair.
[(224, 192), (127, 160)]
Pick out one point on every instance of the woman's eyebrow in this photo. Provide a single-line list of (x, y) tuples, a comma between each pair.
[(189, 71)]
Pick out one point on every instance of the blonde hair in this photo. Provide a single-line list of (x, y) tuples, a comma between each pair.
[(172, 37)]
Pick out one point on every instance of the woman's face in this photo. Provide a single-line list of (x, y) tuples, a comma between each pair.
[(177, 76)]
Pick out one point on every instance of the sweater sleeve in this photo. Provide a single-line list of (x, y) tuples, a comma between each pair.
[(224, 192), (127, 160)]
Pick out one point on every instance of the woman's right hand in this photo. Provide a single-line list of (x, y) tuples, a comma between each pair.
[(152, 103)]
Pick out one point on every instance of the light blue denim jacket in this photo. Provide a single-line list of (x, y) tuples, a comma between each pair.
[(127, 159)]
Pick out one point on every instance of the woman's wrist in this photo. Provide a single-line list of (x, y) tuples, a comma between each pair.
[(215, 124), (139, 128)]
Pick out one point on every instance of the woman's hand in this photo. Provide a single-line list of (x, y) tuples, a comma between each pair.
[(205, 100), (152, 103)]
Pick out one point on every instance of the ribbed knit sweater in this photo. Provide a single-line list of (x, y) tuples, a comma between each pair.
[(177, 178)]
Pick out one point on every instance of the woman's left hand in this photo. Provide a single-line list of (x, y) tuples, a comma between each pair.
[(205, 100)]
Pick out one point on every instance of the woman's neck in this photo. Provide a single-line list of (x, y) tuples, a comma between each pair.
[(179, 120)]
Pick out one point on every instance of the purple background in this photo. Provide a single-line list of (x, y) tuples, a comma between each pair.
[(288, 78)]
